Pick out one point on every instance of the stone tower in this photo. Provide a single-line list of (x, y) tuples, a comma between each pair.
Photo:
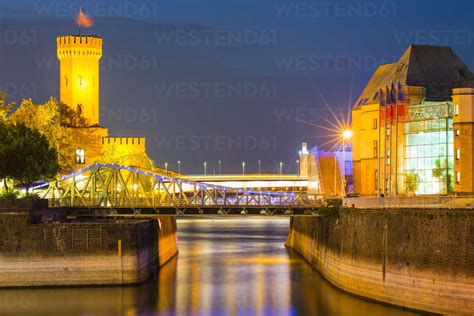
[(79, 57), (463, 128)]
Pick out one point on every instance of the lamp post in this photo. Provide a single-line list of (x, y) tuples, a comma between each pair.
[(179, 166), (346, 135), (243, 168), (220, 167), (281, 168), (205, 168), (259, 167)]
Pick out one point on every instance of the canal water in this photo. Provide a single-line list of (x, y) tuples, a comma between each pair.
[(226, 266)]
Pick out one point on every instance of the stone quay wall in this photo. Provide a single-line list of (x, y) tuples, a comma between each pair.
[(98, 252), (417, 259)]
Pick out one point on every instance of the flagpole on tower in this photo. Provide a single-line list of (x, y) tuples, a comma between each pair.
[(397, 91), (385, 158), (79, 24), (378, 141)]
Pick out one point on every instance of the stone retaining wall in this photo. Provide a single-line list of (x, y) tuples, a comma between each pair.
[(416, 259), (82, 253)]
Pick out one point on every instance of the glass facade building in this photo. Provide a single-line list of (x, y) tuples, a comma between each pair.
[(429, 149)]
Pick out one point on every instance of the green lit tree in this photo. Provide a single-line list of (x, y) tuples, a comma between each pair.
[(441, 171), (27, 157), (411, 182), (5, 140), (53, 122)]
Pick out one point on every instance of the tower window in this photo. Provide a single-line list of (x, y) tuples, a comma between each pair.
[(80, 156), (458, 132), (458, 153), (375, 124), (456, 109), (376, 149), (458, 177)]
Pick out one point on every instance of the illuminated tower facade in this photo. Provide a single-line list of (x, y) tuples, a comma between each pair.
[(79, 58)]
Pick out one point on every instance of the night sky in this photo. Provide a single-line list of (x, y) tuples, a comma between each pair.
[(229, 80)]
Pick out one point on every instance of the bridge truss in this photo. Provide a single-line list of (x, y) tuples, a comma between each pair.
[(118, 189)]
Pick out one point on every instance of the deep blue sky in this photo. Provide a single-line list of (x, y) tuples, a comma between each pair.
[(225, 80)]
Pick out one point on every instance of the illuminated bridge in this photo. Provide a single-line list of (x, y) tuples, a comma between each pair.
[(110, 189), (269, 182)]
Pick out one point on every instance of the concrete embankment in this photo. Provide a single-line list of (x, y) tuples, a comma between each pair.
[(36, 253), (422, 260)]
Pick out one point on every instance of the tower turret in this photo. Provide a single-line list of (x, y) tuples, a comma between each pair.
[(79, 57)]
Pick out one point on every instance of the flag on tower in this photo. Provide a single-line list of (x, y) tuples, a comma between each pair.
[(84, 20)]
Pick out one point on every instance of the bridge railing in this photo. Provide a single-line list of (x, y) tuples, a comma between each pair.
[(426, 202)]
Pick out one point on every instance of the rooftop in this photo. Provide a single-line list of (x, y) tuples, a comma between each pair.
[(437, 68)]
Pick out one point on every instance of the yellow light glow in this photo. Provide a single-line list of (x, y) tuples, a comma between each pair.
[(347, 133), (259, 260)]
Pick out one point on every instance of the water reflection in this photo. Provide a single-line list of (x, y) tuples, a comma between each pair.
[(225, 267)]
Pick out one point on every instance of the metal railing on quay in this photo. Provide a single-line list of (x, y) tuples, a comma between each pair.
[(407, 202)]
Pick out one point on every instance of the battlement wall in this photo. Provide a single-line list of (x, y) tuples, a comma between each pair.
[(137, 143), (85, 46)]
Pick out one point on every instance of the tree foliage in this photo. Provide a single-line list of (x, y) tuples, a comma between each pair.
[(46, 118), (5, 108), (26, 155)]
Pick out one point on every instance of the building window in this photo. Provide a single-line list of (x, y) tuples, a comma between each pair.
[(388, 131), (429, 156), (458, 153), (80, 156), (456, 109), (461, 73), (375, 124), (458, 132), (458, 177), (376, 149), (388, 157)]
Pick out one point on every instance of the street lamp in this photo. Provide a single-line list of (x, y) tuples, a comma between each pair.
[(346, 135), (259, 167), (205, 168), (243, 168), (179, 166), (220, 165)]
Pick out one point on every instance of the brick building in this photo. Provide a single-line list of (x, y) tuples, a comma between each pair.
[(413, 126)]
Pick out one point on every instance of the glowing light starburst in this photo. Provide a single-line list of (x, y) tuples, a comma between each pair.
[(338, 128)]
